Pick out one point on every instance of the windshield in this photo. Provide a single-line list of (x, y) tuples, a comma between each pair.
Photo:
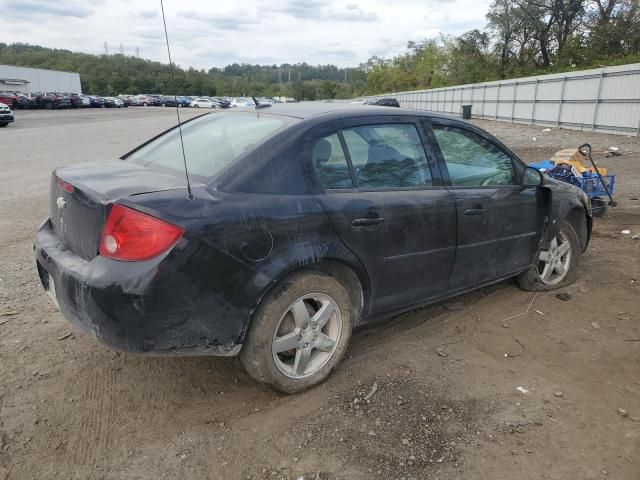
[(211, 143)]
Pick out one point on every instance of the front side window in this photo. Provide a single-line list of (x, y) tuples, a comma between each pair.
[(387, 156), (211, 143), (471, 160)]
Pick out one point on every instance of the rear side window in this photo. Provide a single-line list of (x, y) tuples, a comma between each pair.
[(471, 160), (387, 156), (211, 143), (331, 164)]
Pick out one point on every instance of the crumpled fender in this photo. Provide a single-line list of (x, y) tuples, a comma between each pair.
[(559, 200)]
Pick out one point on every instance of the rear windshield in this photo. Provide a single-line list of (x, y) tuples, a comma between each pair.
[(211, 143)]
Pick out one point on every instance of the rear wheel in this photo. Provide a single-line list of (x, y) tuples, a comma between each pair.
[(3, 124), (557, 266), (300, 333), (196, 106)]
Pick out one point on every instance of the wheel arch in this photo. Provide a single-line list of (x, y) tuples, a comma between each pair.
[(349, 273), (581, 222)]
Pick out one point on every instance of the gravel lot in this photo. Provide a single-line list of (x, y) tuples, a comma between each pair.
[(447, 404)]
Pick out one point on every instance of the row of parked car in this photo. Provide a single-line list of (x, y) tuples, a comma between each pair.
[(51, 100), (200, 102)]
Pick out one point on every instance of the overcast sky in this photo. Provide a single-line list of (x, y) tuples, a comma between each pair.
[(206, 33)]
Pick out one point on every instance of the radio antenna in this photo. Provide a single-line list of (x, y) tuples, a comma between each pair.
[(175, 99)]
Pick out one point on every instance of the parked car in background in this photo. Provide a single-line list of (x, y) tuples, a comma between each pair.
[(6, 115), (242, 102), (385, 102), (168, 101), (143, 100), (223, 102), (96, 102), (156, 100), (113, 102), (50, 100), (76, 100), (204, 103), (24, 101), (86, 102), (109, 102), (183, 101), (279, 268), (9, 99), (127, 99)]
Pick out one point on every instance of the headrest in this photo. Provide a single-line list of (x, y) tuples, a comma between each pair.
[(322, 151)]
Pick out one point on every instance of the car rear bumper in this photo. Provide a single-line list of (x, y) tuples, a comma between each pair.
[(145, 307)]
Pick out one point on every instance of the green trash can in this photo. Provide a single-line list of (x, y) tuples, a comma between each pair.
[(466, 112)]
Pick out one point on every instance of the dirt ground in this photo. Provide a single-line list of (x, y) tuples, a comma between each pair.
[(461, 391)]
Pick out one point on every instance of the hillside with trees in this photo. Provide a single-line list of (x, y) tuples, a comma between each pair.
[(120, 74)]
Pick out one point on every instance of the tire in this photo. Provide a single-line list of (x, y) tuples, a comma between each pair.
[(534, 279), (275, 323), (3, 124), (196, 106)]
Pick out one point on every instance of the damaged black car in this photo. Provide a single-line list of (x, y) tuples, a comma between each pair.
[(302, 222)]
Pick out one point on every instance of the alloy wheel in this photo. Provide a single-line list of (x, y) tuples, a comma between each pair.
[(307, 335), (553, 264)]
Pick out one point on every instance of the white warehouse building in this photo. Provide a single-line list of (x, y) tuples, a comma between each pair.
[(23, 79)]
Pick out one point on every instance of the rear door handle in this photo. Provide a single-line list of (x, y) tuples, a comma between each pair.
[(364, 222), (474, 211)]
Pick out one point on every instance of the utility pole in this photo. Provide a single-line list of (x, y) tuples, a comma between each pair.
[(106, 48), (121, 49), (289, 82), (137, 52)]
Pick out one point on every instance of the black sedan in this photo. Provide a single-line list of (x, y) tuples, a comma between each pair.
[(303, 222)]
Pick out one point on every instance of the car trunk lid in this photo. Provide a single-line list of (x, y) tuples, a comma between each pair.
[(81, 197)]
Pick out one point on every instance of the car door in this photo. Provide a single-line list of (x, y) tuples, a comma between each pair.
[(387, 203), (499, 221)]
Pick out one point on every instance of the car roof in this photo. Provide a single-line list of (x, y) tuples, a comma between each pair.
[(307, 110)]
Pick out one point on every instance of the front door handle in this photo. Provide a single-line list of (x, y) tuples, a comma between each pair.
[(365, 222), (474, 211)]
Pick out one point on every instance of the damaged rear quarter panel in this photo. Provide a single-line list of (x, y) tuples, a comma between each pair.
[(252, 241)]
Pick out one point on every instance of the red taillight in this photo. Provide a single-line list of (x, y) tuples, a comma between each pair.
[(131, 236), (67, 187)]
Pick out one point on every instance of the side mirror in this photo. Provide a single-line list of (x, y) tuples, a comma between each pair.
[(532, 177)]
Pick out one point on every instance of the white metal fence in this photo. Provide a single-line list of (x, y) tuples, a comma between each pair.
[(602, 100)]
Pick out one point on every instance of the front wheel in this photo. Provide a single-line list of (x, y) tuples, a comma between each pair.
[(300, 333), (3, 124), (557, 266)]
